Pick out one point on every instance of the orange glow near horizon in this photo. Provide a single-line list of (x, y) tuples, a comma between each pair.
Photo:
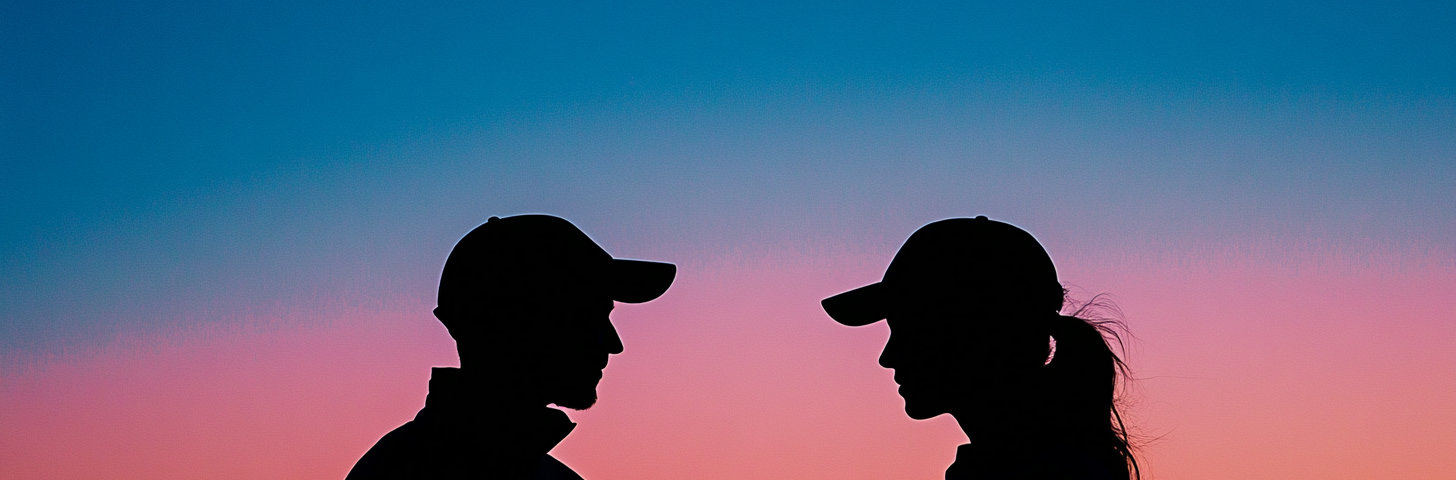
[(1244, 372)]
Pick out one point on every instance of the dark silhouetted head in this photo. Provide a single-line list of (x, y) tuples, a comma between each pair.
[(973, 306), (527, 300), (963, 297)]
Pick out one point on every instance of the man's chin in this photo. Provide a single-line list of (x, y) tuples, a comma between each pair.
[(576, 390), (580, 400)]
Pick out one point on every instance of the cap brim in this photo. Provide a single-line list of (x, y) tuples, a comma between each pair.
[(637, 281), (858, 307)]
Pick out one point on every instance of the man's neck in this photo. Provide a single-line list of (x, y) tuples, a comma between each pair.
[(497, 392)]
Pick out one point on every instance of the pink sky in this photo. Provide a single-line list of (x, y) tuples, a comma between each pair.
[(1246, 371)]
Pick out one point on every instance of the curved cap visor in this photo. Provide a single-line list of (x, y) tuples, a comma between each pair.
[(638, 281), (859, 307)]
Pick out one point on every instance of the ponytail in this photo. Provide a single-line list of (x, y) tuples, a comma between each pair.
[(1080, 386)]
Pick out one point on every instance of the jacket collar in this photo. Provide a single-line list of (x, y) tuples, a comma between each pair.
[(457, 401)]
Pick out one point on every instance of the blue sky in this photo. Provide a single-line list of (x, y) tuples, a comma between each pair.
[(172, 159)]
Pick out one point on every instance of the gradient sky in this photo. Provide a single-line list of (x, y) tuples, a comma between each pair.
[(221, 225)]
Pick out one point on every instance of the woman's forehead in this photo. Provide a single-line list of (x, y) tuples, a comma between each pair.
[(919, 322)]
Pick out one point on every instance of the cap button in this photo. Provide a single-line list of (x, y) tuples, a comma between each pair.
[(982, 217)]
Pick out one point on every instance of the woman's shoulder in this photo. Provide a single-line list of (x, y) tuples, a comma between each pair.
[(1047, 462), (1066, 462)]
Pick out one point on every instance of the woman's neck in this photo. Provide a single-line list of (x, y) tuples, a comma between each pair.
[(1010, 423)]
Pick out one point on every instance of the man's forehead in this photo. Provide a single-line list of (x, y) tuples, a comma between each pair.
[(556, 301)]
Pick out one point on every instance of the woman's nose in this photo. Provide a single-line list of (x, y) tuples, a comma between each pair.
[(890, 357)]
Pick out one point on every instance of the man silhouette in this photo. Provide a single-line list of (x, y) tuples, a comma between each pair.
[(526, 299)]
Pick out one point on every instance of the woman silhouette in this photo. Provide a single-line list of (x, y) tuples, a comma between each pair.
[(975, 331)]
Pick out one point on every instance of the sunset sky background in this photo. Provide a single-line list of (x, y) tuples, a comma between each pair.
[(222, 224)]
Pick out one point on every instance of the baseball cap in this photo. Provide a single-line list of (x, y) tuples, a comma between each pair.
[(967, 259), (519, 256)]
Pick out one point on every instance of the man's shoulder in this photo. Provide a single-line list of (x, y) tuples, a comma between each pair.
[(549, 468), (388, 458), (410, 451)]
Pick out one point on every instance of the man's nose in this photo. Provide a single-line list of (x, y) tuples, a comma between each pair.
[(608, 339)]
